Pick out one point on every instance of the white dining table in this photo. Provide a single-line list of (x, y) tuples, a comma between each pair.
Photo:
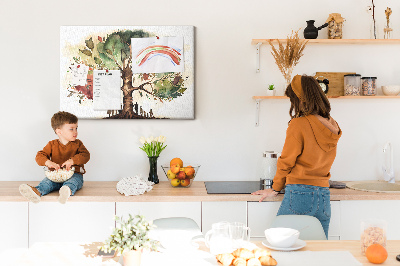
[(86, 254)]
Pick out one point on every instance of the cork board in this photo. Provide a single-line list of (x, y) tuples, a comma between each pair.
[(336, 81)]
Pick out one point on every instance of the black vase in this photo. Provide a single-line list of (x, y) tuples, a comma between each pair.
[(153, 177), (311, 32)]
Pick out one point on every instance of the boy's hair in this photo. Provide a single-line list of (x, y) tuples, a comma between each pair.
[(61, 118), (315, 100)]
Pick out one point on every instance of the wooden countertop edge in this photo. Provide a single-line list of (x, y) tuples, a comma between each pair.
[(105, 191)]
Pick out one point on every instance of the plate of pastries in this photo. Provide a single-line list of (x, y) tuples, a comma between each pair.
[(246, 257)]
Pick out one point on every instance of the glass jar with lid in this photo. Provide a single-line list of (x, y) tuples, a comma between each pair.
[(270, 158), (352, 85), (368, 86)]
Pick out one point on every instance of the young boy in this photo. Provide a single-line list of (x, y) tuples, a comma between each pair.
[(66, 151)]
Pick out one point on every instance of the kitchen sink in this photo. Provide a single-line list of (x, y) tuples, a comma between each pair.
[(375, 186)]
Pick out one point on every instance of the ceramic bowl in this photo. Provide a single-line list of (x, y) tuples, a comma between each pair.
[(282, 237), (391, 90), (184, 178)]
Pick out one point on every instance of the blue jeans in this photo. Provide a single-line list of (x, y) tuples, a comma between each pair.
[(308, 200), (74, 183)]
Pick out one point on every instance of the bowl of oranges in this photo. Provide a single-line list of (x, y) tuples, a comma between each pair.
[(179, 174)]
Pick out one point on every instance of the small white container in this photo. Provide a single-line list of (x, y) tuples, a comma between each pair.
[(282, 237), (391, 90), (270, 92)]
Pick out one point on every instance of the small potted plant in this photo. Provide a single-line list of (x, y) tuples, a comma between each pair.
[(129, 238), (271, 90)]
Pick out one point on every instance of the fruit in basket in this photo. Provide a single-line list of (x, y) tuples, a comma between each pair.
[(175, 182), (176, 161), (185, 182), (170, 175), (175, 168), (376, 253), (189, 170), (181, 175)]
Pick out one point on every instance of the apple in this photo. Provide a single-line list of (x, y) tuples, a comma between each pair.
[(170, 175), (175, 182), (189, 170), (185, 182), (181, 175), (175, 168)]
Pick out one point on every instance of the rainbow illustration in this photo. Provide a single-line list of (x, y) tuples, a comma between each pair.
[(150, 51)]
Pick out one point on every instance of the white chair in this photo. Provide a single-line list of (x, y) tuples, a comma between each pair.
[(310, 227), (181, 227)]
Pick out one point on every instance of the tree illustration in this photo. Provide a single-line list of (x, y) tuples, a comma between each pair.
[(113, 52)]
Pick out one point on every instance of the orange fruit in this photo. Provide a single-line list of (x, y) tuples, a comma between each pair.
[(376, 254), (176, 161)]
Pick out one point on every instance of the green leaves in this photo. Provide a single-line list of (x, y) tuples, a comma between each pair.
[(89, 43), (130, 234)]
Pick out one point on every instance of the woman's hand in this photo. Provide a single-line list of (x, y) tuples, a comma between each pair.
[(269, 192)]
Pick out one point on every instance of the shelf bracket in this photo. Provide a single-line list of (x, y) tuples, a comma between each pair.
[(257, 112), (258, 57)]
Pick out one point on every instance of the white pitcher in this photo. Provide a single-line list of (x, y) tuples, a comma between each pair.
[(218, 239)]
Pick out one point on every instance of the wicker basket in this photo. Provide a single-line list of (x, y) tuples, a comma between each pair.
[(60, 175)]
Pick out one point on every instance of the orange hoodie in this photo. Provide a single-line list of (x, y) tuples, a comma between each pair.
[(308, 153)]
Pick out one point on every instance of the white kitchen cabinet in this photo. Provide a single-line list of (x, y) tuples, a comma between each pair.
[(261, 215), (334, 225), (155, 210), (13, 225), (72, 222), (355, 211), (218, 211)]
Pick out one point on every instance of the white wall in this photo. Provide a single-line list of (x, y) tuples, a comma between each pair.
[(223, 137)]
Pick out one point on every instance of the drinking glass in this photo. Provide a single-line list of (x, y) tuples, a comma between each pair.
[(239, 232)]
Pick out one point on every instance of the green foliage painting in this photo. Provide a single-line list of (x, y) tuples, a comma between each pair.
[(88, 49)]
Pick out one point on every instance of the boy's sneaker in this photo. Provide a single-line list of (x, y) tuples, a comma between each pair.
[(65, 192), (30, 193)]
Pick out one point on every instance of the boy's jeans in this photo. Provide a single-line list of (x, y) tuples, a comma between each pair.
[(308, 200), (74, 183)]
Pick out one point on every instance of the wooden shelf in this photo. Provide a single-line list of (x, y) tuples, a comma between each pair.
[(332, 41), (331, 97)]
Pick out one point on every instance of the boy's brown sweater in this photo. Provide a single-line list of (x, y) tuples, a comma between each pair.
[(307, 155), (57, 152)]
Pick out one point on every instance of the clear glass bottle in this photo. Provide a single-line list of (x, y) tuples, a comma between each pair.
[(352, 85), (270, 158), (368, 86)]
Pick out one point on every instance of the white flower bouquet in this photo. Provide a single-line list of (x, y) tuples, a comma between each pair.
[(153, 146)]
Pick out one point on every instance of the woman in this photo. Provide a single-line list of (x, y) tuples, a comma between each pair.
[(308, 153)]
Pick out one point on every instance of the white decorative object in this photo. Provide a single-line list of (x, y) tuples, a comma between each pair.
[(270, 92), (60, 175), (391, 90), (133, 186)]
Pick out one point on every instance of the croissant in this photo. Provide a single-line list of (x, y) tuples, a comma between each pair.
[(253, 262), (267, 261), (243, 253), (239, 262), (226, 258), (258, 252)]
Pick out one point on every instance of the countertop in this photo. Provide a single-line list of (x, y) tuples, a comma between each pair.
[(105, 191)]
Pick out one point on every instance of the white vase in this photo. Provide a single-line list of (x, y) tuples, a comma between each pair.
[(131, 258), (270, 92)]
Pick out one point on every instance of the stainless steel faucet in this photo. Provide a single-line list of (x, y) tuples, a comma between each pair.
[(388, 174)]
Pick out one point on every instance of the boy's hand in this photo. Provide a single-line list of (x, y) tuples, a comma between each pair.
[(52, 165), (68, 164)]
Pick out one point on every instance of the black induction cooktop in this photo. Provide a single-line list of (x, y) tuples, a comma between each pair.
[(233, 187)]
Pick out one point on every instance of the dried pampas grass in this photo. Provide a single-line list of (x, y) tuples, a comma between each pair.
[(287, 57)]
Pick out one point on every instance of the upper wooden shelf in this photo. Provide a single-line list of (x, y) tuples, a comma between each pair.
[(333, 41), (341, 97)]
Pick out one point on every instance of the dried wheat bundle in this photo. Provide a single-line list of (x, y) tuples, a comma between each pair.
[(287, 57)]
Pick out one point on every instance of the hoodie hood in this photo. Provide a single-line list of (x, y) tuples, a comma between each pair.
[(325, 138)]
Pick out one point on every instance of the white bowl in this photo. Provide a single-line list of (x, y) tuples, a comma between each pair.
[(282, 237), (391, 90)]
